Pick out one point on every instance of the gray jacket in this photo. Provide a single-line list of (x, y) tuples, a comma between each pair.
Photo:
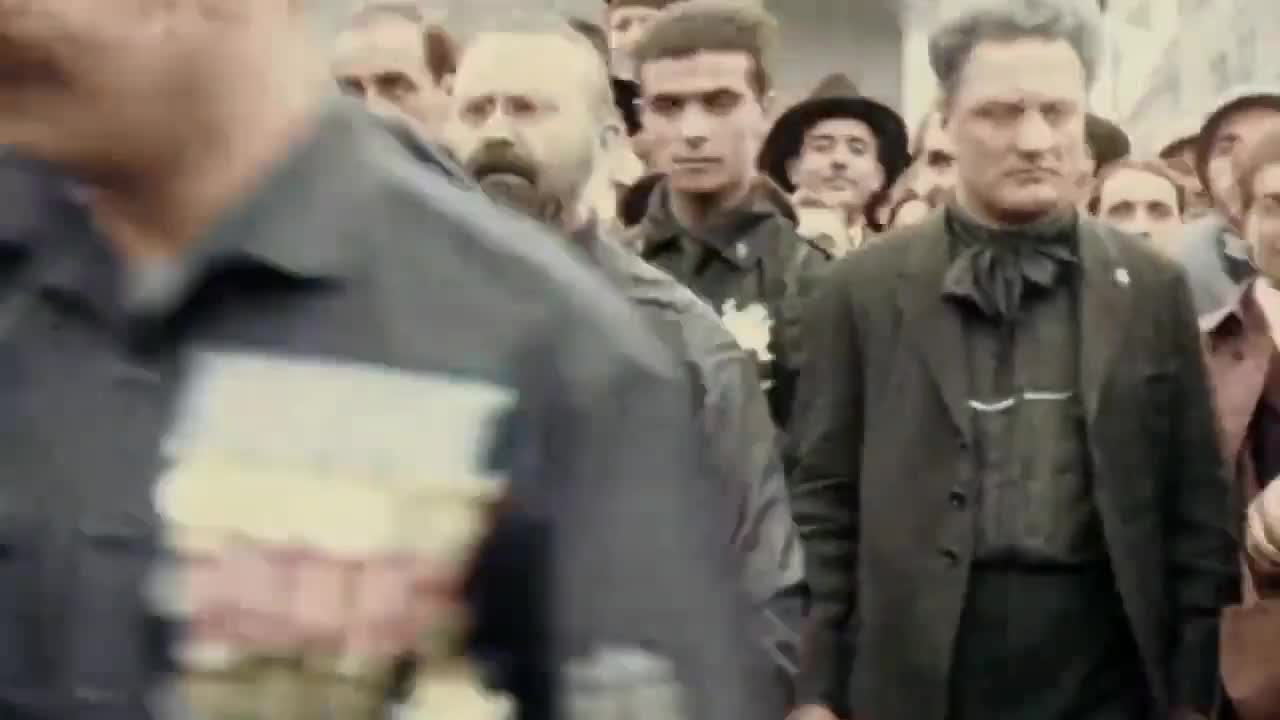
[(741, 439), (1216, 261)]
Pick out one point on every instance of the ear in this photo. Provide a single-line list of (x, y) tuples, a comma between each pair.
[(791, 165)]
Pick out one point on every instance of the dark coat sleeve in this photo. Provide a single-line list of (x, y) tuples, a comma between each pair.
[(1201, 541), (828, 430)]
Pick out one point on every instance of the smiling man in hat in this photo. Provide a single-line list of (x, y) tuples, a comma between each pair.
[(1215, 256), (837, 148)]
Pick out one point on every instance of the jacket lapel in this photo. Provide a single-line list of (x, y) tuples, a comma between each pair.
[(933, 324), (1105, 304)]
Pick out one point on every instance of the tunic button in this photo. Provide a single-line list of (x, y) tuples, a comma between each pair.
[(958, 499)]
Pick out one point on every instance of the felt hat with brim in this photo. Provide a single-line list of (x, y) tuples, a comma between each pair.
[(1107, 142), (1239, 98), (836, 97)]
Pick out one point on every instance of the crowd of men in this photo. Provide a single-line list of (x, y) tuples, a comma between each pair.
[(550, 370)]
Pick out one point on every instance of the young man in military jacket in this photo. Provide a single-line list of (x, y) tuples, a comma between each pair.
[(713, 222)]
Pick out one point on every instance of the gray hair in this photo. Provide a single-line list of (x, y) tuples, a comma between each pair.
[(963, 28)]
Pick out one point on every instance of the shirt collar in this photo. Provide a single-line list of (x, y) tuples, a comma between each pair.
[(1242, 306), (296, 222)]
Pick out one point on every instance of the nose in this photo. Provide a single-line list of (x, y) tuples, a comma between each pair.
[(695, 128), (1034, 136)]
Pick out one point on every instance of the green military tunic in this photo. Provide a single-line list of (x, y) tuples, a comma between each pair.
[(1043, 635)]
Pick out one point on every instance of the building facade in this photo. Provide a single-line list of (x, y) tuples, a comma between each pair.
[(1194, 51)]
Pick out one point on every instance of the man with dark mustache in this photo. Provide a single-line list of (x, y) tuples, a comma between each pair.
[(839, 147), (533, 141), (1010, 487)]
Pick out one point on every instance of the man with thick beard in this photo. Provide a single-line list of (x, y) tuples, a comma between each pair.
[(533, 141)]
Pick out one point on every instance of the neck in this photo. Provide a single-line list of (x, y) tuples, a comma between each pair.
[(984, 216), (695, 210), (159, 211)]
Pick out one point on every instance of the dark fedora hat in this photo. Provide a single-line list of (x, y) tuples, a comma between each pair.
[(1106, 141), (835, 97)]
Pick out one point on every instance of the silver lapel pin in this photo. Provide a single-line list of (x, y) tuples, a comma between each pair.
[(741, 251), (1122, 277)]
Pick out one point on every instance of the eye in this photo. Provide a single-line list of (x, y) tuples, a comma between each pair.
[(350, 86), (396, 85), (478, 109), (520, 107), (722, 102)]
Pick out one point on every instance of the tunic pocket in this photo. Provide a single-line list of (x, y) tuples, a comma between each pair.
[(115, 645), (19, 589)]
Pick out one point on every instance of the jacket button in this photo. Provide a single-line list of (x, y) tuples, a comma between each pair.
[(951, 557), (958, 499)]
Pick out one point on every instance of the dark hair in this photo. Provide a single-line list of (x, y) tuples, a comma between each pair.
[(1266, 153), (1150, 167), (693, 26)]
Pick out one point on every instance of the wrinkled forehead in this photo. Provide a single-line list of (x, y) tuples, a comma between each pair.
[(390, 43), (535, 65), (1134, 185), (1025, 70)]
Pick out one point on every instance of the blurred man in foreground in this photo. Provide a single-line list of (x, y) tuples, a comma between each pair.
[(350, 363)]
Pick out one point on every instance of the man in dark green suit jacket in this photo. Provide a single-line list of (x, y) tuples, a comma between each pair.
[(1009, 485)]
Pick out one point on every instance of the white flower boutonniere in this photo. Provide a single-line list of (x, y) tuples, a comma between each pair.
[(751, 326)]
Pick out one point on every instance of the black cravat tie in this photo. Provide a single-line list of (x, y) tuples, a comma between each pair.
[(993, 269)]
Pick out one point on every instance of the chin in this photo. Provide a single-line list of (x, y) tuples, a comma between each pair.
[(697, 183)]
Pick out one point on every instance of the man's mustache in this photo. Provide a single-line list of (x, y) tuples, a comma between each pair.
[(502, 160)]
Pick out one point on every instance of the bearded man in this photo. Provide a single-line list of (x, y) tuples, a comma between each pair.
[(533, 141), (1009, 487), (286, 330)]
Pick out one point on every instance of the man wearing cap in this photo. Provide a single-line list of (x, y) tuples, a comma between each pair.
[(1179, 154), (1211, 250), (713, 222), (837, 148), (626, 21)]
